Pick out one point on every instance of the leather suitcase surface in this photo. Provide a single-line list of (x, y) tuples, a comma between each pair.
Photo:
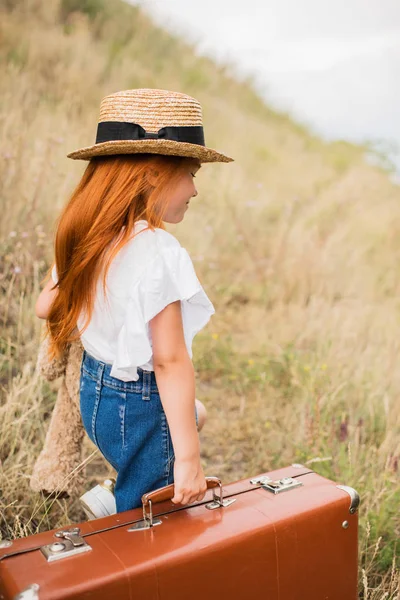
[(288, 534)]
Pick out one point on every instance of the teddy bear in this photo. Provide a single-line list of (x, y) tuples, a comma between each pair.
[(56, 470)]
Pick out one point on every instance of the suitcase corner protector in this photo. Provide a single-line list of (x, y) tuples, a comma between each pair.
[(354, 497)]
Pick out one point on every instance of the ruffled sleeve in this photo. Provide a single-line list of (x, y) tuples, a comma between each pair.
[(169, 277)]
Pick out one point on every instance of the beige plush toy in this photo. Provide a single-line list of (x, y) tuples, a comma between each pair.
[(56, 470)]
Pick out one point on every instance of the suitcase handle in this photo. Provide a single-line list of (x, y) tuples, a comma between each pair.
[(167, 493)]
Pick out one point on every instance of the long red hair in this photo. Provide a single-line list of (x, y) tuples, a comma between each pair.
[(114, 191)]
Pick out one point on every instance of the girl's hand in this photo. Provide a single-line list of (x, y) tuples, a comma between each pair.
[(189, 481)]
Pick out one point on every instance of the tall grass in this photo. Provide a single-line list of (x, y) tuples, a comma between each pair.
[(299, 251)]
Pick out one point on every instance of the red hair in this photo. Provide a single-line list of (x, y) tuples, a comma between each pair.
[(114, 191)]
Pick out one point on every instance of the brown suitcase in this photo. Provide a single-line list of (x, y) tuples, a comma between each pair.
[(289, 534)]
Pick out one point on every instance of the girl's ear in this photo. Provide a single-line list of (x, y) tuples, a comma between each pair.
[(152, 176)]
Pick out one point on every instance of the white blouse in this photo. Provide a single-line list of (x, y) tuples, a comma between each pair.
[(148, 273)]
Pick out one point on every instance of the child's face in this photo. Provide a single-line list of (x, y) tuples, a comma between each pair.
[(183, 192)]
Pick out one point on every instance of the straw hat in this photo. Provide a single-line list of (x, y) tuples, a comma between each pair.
[(150, 120)]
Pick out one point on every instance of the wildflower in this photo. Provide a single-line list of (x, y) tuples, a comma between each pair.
[(17, 269), (24, 234), (324, 367), (215, 336), (250, 361), (306, 368), (12, 234)]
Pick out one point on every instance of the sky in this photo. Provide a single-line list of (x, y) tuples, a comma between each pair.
[(333, 65)]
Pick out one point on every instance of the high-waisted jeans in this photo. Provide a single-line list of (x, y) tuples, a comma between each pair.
[(127, 422)]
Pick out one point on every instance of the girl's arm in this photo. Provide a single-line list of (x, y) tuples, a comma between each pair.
[(175, 379), (45, 300)]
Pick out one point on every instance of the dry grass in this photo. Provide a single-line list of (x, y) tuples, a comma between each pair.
[(298, 251)]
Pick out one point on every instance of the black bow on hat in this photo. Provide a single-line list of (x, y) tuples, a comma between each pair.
[(121, 130)]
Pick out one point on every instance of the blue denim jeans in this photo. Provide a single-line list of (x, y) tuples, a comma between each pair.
[(127, 422)]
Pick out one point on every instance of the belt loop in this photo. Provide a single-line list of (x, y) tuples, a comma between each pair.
[(146, 385)]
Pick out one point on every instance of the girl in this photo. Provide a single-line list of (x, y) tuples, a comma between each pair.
[(129, 290)]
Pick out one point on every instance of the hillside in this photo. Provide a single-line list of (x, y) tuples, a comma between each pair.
[(298, 250)]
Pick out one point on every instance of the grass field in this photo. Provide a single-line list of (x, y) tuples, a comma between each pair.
[(298, 250)]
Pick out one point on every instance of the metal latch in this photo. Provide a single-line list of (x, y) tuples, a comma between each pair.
[(219, 501), (72, 543), (277, 486)]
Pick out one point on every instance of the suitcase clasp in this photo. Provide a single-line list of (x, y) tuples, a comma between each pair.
[(277, 486), (71, 543), (73, 535)]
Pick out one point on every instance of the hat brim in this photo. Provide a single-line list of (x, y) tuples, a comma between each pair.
[(203, 153)]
